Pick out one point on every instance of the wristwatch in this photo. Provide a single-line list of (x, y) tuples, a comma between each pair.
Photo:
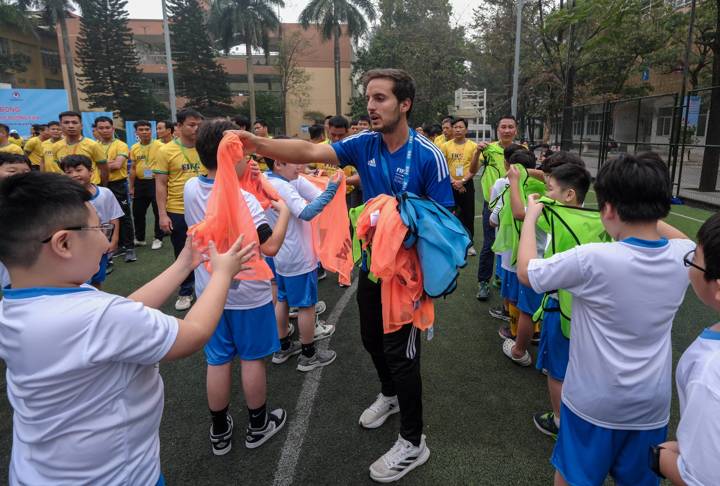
[(654, 459)]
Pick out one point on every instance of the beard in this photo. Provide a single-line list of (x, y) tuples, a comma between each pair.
[(391, 125)]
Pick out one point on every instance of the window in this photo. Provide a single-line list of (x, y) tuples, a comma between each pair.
[(578, 127), (664, 122), (594, 122), (50, 60), (702, 121)]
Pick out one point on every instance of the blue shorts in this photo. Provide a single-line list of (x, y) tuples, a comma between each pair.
[(510, 286), (298, 291), (528, 301), (585, 453), (554, 348), (271, 264), (249, 334), (99, 277)]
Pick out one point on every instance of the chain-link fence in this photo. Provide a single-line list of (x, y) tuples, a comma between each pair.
[(681, 131)]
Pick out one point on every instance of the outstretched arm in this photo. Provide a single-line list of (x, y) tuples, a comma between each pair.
[(288, 150)]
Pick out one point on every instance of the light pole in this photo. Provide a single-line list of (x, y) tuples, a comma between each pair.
[(168, 62), (516, 69)]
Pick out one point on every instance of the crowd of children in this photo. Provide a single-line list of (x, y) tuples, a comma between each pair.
[(577, 280)]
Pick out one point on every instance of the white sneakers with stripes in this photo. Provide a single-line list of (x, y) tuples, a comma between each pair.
[(377, 413), (402, 458)]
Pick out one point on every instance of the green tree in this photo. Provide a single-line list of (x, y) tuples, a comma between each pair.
[(111, 77), (294, 80), (329, 16), (54, 12), (200, 78), (244, 21), (416, 35), (269, 108)]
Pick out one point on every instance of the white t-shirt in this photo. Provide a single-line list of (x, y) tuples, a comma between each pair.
[(296, 255), (625, 296), (698, 435), (106, 205), (4, 276), (84, 386), (244, 294)]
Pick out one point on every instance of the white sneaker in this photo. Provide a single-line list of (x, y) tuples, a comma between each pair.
[(472, 251), (183, 302), (140, 243), (376, 414), (156, 244), (322, 330), (402, 458)]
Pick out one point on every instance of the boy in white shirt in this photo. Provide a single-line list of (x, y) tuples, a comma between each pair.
[(693, 459), (616, 393), (82, 374), (247, 328), (79, 168), (296, 266)]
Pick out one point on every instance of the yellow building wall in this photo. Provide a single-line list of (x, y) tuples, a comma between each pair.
[(36, 75)]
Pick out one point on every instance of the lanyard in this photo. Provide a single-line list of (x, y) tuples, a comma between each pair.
[(107, 148), (408, 160), (182, 150)]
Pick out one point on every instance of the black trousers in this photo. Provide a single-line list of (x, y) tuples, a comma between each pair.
[(396, 357), (144, 198), (127, 234), (465, 207), (487, 257), (178, 237)]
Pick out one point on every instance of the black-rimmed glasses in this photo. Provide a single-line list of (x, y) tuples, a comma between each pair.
[(106, 228), (688, 261)]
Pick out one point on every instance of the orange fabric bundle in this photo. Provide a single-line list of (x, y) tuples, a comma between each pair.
[(398, 268), (227, 215), (331, 232), (260, 187)]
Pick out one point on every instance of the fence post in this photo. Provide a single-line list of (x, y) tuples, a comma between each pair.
[(681, 142), (674, 138)]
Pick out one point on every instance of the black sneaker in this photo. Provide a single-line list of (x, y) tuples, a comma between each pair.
[(322, 274), (222, 443), (499, 312), (545, 423), (257, 437), (535, 339)]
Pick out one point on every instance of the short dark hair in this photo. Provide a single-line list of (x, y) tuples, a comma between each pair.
[(209, 135), (71, 161), (339, 122), (260, 121), (637, 186), (53, 123), (47, 202), (365, 118), (328, 117), (69, 113), (168, 125), (460, 120), (448, 119), (403, 83), (102, 119), (8, 158), (316, 131), (141, 123), (511, 149), (523, 157), (709, 238), (572, 176), (241, 121), (557, 159), (4, 128), (354, 122), (186, 113), (506, 117)]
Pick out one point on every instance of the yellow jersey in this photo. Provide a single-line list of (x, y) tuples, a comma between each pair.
[(12, 148), (33, 149), (49, 157), (440, 140), (113, 150), (180, 164), (143, 158), (17, 141), (85, 146), (459, 157)]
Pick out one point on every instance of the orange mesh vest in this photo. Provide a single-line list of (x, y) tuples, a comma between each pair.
[(227, 215), (260, 187)]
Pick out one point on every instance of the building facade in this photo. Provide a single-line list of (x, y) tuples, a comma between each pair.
[(41, 47)]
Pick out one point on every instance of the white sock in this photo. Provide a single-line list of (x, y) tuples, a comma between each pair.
[(556, 419)]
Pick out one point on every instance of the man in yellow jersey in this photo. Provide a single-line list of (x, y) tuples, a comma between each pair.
[(142, 184), (461, 155), (55, 135), (447, 134), (5, 144), (165, 129), (73, 143), (34, 146), (117, 155), (494, 168), (16, 138), (176, 163)]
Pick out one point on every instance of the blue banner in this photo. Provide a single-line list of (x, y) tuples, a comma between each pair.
[(89, 117), (130, 131), (22, 108)]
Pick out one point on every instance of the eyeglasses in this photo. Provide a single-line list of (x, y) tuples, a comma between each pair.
[(106, 228), (688, 261)]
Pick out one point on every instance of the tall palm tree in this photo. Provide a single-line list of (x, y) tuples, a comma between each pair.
[(328, 15), (54, 11), (244, 21)]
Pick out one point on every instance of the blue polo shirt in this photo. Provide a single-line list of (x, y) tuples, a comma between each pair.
[(429, 173)]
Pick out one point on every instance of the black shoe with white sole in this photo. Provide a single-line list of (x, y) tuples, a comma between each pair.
[(257, 437), (222, 443)]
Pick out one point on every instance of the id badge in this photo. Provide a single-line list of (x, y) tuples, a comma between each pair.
[(459, 171), (147, 174)]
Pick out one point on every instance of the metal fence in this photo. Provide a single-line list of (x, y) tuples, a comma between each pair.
[(674, 128)]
